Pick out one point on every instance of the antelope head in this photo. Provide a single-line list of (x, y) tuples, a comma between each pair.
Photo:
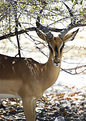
[(55, 44)]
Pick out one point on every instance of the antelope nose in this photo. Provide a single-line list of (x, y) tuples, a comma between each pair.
[(57, 63)]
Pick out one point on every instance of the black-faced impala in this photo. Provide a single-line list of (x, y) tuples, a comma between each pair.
[(29, 79)]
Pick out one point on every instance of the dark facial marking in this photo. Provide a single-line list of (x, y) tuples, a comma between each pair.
[(50, 48), (62, 48), (56, 51)]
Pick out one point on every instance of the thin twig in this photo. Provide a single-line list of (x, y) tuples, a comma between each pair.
[(16, 27)]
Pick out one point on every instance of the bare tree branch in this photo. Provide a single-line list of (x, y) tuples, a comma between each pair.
[(11, 34), (16, 26), (74, 71), (18, 32)]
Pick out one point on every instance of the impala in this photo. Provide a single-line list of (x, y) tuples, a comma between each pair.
[(27, 78)]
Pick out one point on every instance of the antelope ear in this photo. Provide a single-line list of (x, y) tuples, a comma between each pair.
[(70, 36)]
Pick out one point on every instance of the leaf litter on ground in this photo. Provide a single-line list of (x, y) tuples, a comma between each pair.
[(51, 107)]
